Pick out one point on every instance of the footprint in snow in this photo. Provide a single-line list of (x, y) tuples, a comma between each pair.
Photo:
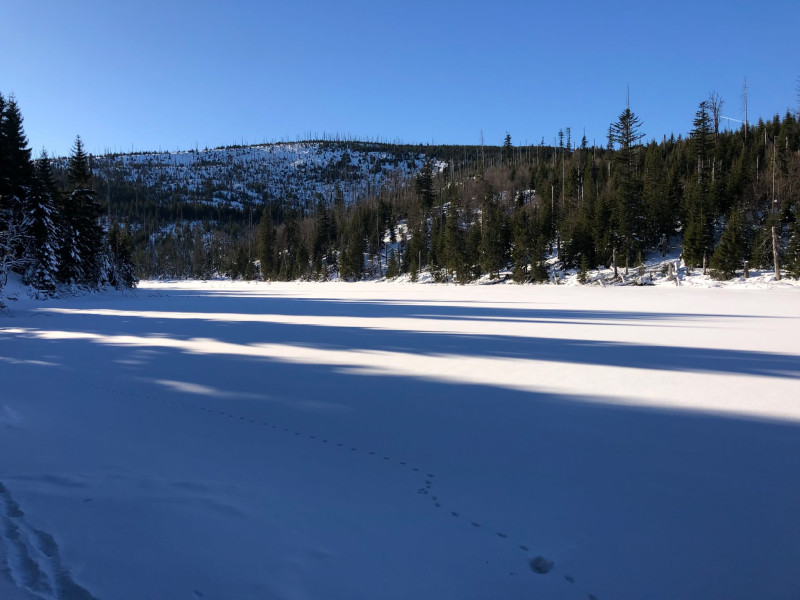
[(541, 565)]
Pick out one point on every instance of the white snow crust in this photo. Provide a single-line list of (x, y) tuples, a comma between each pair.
[(302, 441)]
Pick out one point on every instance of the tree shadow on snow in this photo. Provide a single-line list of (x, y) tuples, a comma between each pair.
[(213, 324), (537, 468)]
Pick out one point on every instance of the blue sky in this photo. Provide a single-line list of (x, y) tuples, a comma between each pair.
[(173, 75)]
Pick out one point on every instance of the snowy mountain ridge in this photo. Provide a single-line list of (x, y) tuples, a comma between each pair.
[(240, 176)]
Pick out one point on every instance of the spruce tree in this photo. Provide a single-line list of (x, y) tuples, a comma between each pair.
[(417, 247), (627, 223), (761, 246), (424, 186), (697, 238), (583, 270), (508, 149), (302, 261), (655, 200), (200, 268), (494, 238), (42, 228), (16, 179), (121, 270), (793, 251), (455, 246), (82, 248), (324, 234), (730, 251), (436, 253), (352, 248), (522, 243), (393, 268), (16, 168), (266, 246), (473, 251), (291, 245)]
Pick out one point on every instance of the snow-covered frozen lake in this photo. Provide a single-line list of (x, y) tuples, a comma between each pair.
[(380, 441)]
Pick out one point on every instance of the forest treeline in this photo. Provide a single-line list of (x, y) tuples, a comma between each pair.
[(55, 234), (726, 196)]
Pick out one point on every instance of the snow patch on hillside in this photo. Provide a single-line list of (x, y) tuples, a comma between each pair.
[(245, 175)]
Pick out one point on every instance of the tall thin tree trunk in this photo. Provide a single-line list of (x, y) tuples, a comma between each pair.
[(775, 254), (614, 261)]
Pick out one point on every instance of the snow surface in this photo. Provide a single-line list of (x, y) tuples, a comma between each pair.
[(376, 440)]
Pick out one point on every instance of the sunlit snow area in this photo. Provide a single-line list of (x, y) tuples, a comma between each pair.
[(331, 441)]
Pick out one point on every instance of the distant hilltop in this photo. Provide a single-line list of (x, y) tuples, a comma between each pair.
[(235, 177)]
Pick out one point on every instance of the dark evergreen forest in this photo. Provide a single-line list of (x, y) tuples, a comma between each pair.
[(55, 233), (725, 197)]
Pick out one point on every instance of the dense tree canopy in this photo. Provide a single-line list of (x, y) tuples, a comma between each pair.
[(725, 196), (50, 233)]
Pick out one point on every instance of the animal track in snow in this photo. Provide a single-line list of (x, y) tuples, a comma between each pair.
[(539, 564), (30, 557)]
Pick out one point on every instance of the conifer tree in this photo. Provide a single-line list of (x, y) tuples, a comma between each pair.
[(508, 149), (121, 270), (436, 253), (697, 238), (16, 178), (82, 247), (493, 238), (266, 246), (538, 250), (302, 261), (793, 251), (455, 246), (393, 267), (627, 223), (730, 251), (291, 244), (523, 239), (324, 234), (473, 251), (352, 248), (424, 186), (655, 199), (200, 259), (761, 246), (583, 270), (417, 247), (16, 168), (42, 228)]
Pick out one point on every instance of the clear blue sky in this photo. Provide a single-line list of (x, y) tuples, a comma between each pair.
[(176, 74)]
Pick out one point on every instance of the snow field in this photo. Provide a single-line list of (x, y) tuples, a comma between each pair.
[(232, 440)]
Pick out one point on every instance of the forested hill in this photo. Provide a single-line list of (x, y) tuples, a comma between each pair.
[(350, 209), (216, 184), (356, 210)]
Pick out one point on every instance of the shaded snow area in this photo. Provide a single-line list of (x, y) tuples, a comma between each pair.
[(381, 441)]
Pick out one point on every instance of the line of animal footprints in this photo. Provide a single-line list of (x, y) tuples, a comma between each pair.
[(539, 564)]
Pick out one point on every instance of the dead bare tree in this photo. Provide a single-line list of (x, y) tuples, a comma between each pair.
[(774, 217)]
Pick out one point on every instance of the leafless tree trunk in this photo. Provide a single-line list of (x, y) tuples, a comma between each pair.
[(775, 253), (614, 261), (744, 102), (715, 103)]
